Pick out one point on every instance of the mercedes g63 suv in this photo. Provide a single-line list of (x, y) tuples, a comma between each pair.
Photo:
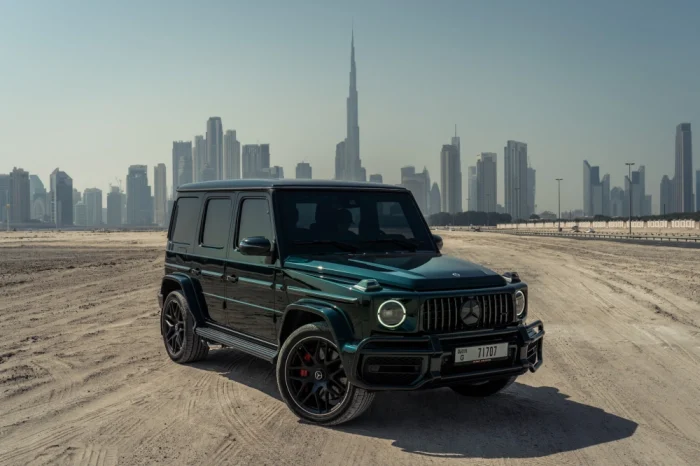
[(343, 288)]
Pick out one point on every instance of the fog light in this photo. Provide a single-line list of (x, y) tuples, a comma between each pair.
[(391, 313), (520, 304)]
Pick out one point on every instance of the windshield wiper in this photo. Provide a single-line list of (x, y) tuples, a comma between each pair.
[(338, 244), (404, 243)]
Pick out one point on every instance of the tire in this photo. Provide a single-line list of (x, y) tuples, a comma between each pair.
[(176, 318), (484, 389), (293, 384)]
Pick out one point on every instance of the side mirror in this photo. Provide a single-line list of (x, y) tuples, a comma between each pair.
[(255, 246), (438, 241)]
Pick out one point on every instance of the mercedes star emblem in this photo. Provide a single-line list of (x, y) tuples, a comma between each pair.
[(470, 312)]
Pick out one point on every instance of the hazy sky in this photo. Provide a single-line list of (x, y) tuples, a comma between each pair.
[(93, 87)]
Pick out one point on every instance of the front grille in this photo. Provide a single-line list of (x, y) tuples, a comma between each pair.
[(442, 315)]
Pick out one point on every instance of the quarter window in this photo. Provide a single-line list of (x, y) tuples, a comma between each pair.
[(186, 216), (217, 219)]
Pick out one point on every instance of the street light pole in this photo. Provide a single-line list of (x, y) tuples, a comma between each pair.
[(559, 200), (629, 177)]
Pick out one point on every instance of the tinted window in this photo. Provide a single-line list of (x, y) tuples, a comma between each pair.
[(186, 217), (217, 219), (364, 221), (255, 219)]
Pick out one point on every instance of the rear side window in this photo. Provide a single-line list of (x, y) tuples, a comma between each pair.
[(217, 218), (186, 217)]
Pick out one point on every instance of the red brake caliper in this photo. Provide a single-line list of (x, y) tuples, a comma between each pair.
[(304, 372)]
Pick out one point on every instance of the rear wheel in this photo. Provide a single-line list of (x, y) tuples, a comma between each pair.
[(488, 388), (177, 328), (312, 380)]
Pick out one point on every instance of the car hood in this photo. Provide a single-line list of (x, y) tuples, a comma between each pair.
[(419, 271)]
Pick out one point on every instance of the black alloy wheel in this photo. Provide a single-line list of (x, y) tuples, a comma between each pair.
[(312, 380), (177, 329), (315, 376)]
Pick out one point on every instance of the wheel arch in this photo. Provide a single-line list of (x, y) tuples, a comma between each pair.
[(307, 311), (184, 284)]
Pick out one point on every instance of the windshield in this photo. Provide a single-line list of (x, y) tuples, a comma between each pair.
[(321, 222)]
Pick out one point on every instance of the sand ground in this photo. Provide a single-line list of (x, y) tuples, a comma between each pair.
[(84, 378)]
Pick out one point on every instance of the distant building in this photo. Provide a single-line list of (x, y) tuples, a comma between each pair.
[(683, 177), (208, 174), (252, 164), (4, 196), (472, 188), (61, 198), (77, 196), (450, 179), (92, 200), (160, 194), (596, 193), (80, 214), (276, 173), (199, 158), (114, 207), (531, 190), (486, 182), (38, 196), (647, 204), (232, 156), (418, 184), (435, 207), (376, 178), (264, 161), (515, 176), (697, 190), (666, 196), (20, 201), (139, 210), (617, 202), (215, 146), (348, 165), (303, 171), (182, 165)]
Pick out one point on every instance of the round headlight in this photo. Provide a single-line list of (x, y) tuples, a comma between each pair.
[(520, 304), (391, 313)]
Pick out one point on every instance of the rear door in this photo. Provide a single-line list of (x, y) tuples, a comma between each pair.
[(210, 249), (251, 283)]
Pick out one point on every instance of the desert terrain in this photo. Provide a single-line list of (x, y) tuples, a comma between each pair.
[(84, 377)]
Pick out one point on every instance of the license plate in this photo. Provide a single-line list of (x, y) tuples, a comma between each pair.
[(481, 353)]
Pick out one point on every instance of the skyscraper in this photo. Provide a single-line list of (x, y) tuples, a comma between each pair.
[(199, 158), (617, 202), (697, 190), (20, 201), (376, 178), (251, 161), (418, 184), (435, 207), (215, 148), (303, 171), (182, 165), (683, 177), (450, 179), (515, 177), (596, 193), (531, 185), (160, 194), (80, 214), (486, 184), (37, 194), (139, 206), (114, 207), (348, 163), (666, 195), (232, 156), (472, 189), (61, 198), (92, 199), (264, 157)]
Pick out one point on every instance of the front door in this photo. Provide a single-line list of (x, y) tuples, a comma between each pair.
[(250, 290), (210, 251)]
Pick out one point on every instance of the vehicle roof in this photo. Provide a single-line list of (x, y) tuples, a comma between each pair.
[(249, 184)]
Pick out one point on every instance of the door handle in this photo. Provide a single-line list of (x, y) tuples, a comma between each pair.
[(196, 271), (231, 278)]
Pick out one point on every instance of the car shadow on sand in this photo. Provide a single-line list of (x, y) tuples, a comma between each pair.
[(521, 422)]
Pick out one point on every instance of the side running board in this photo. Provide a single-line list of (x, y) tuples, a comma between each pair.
[(254, 349)]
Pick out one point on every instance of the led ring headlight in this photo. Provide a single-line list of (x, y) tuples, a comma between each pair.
[(391, 313), (520, 304)]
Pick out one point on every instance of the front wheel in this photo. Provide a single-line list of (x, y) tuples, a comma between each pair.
[(488, 388), (311, 378)]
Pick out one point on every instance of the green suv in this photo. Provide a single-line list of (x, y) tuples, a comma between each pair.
[(343, 288)]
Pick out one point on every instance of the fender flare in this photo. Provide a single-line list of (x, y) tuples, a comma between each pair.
[(186, 285), (337, 320)]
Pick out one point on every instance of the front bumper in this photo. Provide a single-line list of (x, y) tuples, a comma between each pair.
[(412, 363)]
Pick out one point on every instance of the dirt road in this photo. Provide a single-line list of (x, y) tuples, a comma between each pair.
[(84, 378)]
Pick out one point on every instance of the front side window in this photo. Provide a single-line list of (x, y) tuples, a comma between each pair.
[(319, 222), (254, 220)]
